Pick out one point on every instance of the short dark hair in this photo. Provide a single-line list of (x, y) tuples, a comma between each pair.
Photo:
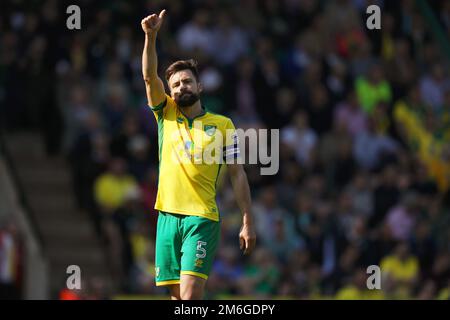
[(179, 65)]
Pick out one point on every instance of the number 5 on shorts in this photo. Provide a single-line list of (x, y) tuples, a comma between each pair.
[(202, 250)]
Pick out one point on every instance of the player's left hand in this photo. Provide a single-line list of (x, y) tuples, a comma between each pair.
[(247, 238)]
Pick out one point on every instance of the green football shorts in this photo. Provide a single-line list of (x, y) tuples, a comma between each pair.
[(184, 245)]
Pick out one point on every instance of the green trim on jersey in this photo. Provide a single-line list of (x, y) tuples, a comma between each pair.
[(159, 106)]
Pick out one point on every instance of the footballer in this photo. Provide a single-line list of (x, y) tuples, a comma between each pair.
[(188, 227)]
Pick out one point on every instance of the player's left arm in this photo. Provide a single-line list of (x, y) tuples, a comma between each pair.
[(247, 234)]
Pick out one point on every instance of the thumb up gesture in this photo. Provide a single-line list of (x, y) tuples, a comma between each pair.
[(152, 23)]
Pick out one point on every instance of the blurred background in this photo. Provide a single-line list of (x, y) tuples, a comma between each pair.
[(364, 119)]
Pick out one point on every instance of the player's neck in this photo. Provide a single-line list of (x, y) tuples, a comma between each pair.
[(193, 111)]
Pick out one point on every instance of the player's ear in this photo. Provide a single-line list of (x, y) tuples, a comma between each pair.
[(199, 87)]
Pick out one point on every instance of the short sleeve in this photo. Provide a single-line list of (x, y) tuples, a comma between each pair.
[(160, 109)]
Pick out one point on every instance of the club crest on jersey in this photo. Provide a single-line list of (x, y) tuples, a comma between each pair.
[(209, 129), (180, 120)]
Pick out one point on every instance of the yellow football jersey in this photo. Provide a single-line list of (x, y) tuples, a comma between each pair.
[(191, 153)]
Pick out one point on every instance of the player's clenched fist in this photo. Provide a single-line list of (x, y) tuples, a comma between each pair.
[(152, 23)]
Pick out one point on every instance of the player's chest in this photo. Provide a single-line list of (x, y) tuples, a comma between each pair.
[(193, 138)]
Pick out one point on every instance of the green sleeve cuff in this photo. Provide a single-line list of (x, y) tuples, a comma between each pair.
[(159, 106)]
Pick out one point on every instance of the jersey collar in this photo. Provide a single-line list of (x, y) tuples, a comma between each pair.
[(191, 120), (202, 113)]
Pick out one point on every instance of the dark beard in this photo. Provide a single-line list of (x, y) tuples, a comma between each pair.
[(186, 99)]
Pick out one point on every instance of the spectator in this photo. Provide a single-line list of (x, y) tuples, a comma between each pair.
[(284, 240), (361, 194), (261, 276), (357, 289), (228, 42), (88, 158), (372, 149), (372, 89), (269, 212), (433, 87), (195, 35), (112, 186), (350, 115), (228, 269), (299, 137), (76, 113), (402, 218), (402, 268), (10, 262)]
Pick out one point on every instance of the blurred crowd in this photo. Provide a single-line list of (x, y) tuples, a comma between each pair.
[(11, 260), (364, 119)]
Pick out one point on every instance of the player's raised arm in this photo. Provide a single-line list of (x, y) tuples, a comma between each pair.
[(153, 84)]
